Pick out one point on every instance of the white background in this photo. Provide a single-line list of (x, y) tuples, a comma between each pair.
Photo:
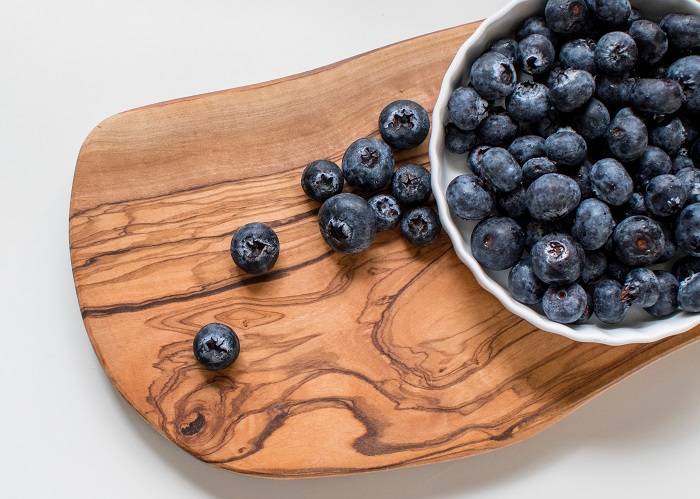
[(64, 432)]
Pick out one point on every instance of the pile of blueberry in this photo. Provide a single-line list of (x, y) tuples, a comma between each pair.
[(582, 136)]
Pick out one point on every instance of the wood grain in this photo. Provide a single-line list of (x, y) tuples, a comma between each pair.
[(390, 358)]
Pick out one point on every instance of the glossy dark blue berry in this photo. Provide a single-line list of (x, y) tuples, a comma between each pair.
[(641, 287), (616, 53), (638, 241), (524, 285), (683, 30), (654, 96), (458, 141), (347, 223), (535, 54), (592, 120), (564, 304), (387, 211), (404, 124), (536, 230), (607, 302), (493, 76), (611, 12), (255, 248), (529, 102), (420, 226), (567, 17), (566, 148), (322, 179), (556, 259), (651, 41), (665, 195), (513, 204), (614, 91), (501, 169), (469, 198), (578, 54), (536, 167), (654, 162), (216, 346), (594, 266), (475, 158), (689, 294), (526, 147), (552, 196), (688, 229), (497, 129), (467, 108), (534, 25), (506, 46), (570, 89), (690, 178), (627, 136), (669, 136), (497, 243), (636, 205), (593, 224), (686, 71), (610, 182), (368, 164), (686, 266), (667, 303), (410, 184)]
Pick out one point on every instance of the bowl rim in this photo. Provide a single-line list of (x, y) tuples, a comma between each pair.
[(613, 335)]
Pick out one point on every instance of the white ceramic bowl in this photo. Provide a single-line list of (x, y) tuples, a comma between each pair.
[(638, 327)]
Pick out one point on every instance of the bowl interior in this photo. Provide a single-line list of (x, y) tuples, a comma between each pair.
[(638, 327)]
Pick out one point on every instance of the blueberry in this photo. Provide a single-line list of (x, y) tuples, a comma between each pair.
[(549, 125), (534, 26), (529, 102), (670, 248), (617, 271), (368, 164), (552, 196), (386, 211), (607, 302), (564, 304), (404, 124), (556, 259), (588, 311), (322, 179), (347, 223), (567, 17), (466, 108), (526, 147), (635, 15), (420, 226), (688, 229), (593, 224), (513, 204), (535, 54), (458, 141), (627, 136), (654, 162), (571, 89), (616, 53), (690, 178), (686, 266), (610, 182), (497, 129), (667, 302), (582, 177), (578, 54), (536, 230), (469, 199), (523, 284), (689, 294), (410, 184), (476, 157), (669, 136), (636, 205), (497, 243), (611, 12), (594, 266), (501, 169), (255, 248), (656, 96), (506, 46), (665, 195), (592, 120), (651, 41), (614, 91), (493, 76), (536, 167), (641, 287), (683, 30), (681, 161), (686, 71), (638, 241), (216, 346), (566, 147)]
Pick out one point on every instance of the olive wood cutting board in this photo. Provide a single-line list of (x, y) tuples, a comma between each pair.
[(389, 358)]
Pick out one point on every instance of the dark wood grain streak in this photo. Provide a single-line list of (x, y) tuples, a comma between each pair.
[(349, 363)]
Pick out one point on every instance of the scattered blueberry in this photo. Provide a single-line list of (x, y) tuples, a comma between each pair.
[(616, 53), (688, 229), (638, 241), (506, 46), (466, 108), (497, 129), (564, 304), (669, 136), (667, 303), (593, 224), (607, 302), (420, 226), (566, 148), (368, 164), (594, 266), (689, 294), (386, 211), (627, 136), (536, 167), (654, 162), (404, 124), (567, 17), (524, 284), (571, 88), (497, 243), (610, 182), (592, 120), (556, 259), (578, 54), (322, 179), (493, 76), (552, 196), (255, 248), (690, 178), (656, 96), (651, 41), (501, 169), (458, 141), (469, 198), (535, 54), (410, 184), (527, 147), (216, 346), (611, 12), (683, 30), (665, 195), (641, 287), (347, 223), (529, 102)]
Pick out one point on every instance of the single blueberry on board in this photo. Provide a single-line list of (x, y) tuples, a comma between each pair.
[(457, 141), (526, 147), (638, 241), (535, 54), (536, 167), (688, 229), (255, 248), (322, 179), (497, 243), (651, 41), (641, 287), (593, 224), (570, 89), (689, 294), (216, 346), (627, 136), (564, 304), (607, 302), (466, 108), (566, 148), (368, 164), (420, 226), (523, 284), (410, 184), (386, 210), (501, 169), (493, 76), (616, 53), (347, 223), (665, 195), (469, 198), (567, 17), (556, 259), (667, 303), (404, 124), (552, 196)]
